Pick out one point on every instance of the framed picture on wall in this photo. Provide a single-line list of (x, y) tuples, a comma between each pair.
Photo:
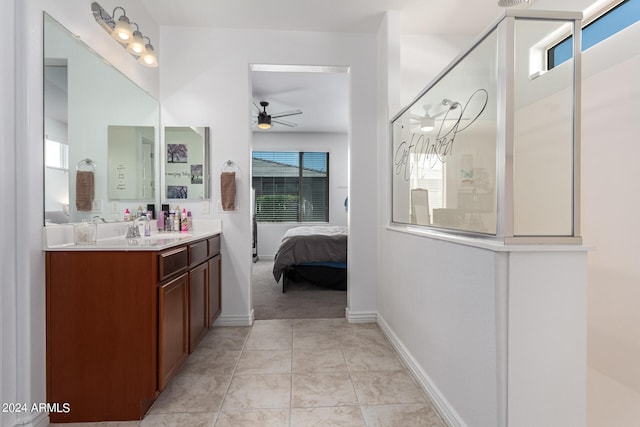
[(177, 153), (196, 174), (177, 192)]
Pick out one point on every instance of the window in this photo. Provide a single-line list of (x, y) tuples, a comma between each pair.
[(616, 19), (291, 186), (56, 154)]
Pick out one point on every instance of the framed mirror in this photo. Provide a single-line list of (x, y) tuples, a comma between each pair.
[(101, 133), (187, 174)]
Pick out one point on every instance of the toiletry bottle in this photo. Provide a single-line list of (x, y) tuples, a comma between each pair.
[(127, 215), (151, 209), (171, 220), (183, 219), (147, 226), (176, 220), (161, 222), (139, 212), (189, 221)]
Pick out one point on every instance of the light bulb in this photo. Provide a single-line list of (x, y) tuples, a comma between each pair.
[(148, 58), (122, 30), (136, 45)]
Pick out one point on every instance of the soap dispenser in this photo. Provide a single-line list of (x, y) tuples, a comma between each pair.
[(144, 225)]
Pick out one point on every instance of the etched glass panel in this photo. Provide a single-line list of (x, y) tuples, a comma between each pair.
[(444, 149)]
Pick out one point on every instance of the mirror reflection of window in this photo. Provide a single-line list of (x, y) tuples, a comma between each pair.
[(56, 155)]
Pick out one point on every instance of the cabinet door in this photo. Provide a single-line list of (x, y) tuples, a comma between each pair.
[(198, 320), (172, 328), (215, 305)]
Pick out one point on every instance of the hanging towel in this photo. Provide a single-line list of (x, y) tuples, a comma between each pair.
[(228, 190), (84, 190)]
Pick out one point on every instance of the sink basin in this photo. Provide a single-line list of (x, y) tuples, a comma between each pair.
[(158, 239)]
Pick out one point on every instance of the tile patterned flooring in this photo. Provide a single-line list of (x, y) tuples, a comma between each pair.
[(300, 372)]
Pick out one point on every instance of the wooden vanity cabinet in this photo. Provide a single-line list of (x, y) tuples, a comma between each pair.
[(173, 323), (120, 324), (214, 295), (198, 320), (101, 334)]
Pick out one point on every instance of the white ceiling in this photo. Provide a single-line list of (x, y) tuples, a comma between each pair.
[(323, 97), (442, 17)]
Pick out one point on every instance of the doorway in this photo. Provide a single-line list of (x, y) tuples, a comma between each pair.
[(299, 176)]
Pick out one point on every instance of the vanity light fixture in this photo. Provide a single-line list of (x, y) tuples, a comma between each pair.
[(120, 30)]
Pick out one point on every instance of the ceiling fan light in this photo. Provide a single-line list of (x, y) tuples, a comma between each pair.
[(427, 124), (264, 121)]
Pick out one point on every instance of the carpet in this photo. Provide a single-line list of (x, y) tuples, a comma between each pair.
[(302, 300)]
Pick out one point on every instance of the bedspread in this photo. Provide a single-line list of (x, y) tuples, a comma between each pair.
[(311, 244)]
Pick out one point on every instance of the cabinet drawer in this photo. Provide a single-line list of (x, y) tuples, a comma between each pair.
[(197, 252), (171, 262), (214, 245)]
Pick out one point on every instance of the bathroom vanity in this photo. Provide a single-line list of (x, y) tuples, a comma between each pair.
[(123, 317)]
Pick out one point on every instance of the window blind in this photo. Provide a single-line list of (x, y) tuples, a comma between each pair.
[(291, 186)]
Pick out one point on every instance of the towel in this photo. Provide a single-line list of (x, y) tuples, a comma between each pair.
[(84, 191), (228, 190)]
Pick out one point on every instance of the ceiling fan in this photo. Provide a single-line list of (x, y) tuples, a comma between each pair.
[(427, 122), (265, 120)]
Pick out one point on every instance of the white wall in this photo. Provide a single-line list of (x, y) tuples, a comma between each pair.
[(439, 299), (8, 235), (610, 129), (214, 90), (270, 234)]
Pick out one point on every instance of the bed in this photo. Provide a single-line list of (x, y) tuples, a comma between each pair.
[(317, 254)]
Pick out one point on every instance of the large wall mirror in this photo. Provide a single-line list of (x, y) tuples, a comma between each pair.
[(186, 170), (101, 134)]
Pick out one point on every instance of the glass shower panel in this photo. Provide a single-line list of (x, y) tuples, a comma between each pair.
[(444, 148), (543, 132)]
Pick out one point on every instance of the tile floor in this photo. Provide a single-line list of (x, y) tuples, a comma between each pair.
[(303, 372)]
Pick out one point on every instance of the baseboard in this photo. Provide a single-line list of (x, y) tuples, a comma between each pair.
[(360, 316), (39, 420), (42, 420), (444, 408), (234, 320)]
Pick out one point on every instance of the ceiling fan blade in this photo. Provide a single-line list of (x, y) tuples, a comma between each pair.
[(282, 122), (286, 113)]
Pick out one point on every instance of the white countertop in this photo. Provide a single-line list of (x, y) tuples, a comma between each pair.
[(110, 237)]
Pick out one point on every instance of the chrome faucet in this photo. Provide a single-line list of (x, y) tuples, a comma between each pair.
[(132, 230)]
